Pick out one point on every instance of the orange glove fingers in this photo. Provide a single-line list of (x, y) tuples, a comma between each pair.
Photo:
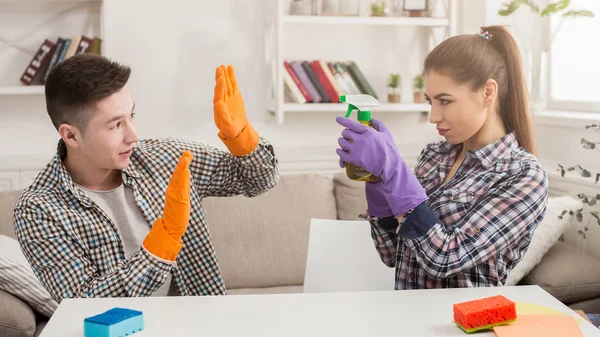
[(220, 88), (176, 214), (227, 81), (232, 78)]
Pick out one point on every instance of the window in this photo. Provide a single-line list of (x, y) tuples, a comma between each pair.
[(574, 62)]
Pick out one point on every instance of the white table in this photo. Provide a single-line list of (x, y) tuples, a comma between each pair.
[(379, 313)]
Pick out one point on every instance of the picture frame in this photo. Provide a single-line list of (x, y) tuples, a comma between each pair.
[(416, 8), (415, 5)]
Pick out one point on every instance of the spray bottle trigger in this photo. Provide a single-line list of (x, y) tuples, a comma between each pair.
[(350, 109)]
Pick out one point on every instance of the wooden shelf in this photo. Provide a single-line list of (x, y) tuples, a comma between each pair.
[(367, 20), (341, 107), (22, 90)]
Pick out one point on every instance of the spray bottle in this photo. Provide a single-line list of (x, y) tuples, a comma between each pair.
[(361, 103)]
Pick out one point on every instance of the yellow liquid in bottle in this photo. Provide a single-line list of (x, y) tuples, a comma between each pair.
[(358, 173)]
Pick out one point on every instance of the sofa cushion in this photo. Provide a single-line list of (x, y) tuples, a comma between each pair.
[(567, 273), (591, 306), (270, 290), (263, 241), (7, 203), (17, 278), (350, 197), (545, 235), (16, 317)]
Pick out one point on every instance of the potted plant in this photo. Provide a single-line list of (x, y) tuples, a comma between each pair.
[(591, 201), (394, 83), (418, 86), (379, 8)]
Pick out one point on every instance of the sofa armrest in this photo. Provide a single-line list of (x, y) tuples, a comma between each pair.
[(17, 319), (567, 273)]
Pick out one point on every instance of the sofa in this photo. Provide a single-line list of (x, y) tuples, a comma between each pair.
[(262, 243)]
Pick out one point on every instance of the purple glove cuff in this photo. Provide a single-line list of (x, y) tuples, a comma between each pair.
[(402, 190), (377, 204)]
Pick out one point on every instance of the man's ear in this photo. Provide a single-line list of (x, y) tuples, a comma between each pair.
[(70, 135)]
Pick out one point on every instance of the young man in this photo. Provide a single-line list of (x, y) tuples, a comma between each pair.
[(110, 214)]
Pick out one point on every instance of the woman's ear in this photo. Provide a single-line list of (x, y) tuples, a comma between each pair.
[(490, 92)]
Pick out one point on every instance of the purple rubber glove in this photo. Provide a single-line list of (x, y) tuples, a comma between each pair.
[(377, 204), (374, 150)]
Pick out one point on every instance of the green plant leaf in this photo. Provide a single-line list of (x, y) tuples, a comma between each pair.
[(555, 7), (587, 144), (512, 6), (592, 201), (582, 172), (562, 214), (578, 13), (393, 80), (418, 82), (562, 171), (579, 217), (593, 126), (597, 179)]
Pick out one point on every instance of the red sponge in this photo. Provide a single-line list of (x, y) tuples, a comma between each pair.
[(484, 313)]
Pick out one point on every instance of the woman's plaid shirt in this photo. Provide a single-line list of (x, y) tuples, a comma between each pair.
[(75, 249), (474, 228)]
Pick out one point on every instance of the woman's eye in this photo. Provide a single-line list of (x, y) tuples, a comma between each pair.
[(444, 102), (116, 126)]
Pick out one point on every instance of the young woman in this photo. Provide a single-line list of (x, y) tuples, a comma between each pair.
[(466, 216)]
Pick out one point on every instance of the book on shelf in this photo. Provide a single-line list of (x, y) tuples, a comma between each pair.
[(51, 53), (319, 81)]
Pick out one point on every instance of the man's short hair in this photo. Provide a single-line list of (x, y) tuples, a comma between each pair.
[(75, 85)]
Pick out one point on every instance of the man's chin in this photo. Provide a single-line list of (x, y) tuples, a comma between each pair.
[(122, 164)]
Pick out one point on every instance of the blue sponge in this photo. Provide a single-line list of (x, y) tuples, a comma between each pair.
[(116, 322)]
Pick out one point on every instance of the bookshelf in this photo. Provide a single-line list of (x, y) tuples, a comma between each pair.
[(26, 23), (279, 22)]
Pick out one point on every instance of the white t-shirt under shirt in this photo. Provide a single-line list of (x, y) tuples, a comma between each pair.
[(119, 204)]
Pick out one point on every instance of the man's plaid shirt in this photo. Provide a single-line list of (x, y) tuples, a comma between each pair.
[(474, 228), (76, 251)]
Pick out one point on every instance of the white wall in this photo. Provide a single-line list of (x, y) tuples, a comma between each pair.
[(174, 47)]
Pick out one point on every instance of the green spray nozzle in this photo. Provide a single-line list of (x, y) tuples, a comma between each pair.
[(361, 103)]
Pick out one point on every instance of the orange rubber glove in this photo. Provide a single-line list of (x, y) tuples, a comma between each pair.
[(164, 239), (230, 114)]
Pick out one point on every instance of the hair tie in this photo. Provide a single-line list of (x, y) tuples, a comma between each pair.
[(484, 34)]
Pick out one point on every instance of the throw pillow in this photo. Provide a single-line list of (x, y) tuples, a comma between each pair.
[(547, 233), (18, 279)]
